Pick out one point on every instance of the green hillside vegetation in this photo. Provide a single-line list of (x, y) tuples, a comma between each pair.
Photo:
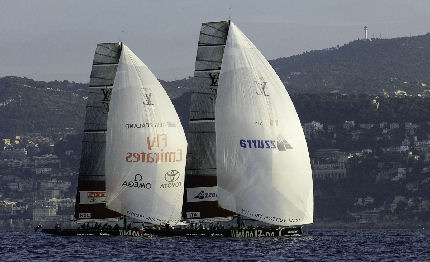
[(28, 106), (369, 71), (337, 108), (362, 66)]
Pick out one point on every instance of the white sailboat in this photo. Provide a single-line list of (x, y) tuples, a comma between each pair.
[(262, 165), (133, 150)]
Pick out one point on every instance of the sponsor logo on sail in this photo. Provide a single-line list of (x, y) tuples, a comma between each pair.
[(141, 216), (261, 88), (281, 144), (274, 219), (137, 183), (214, 78), (92, 197), (107, 92), (271, 123), (201, 194), (205, 195), (158, 142), (149, 125), (171, 178), (258, 143), (147, 100)]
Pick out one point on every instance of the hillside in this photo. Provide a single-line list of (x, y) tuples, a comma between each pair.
[(375, 66), (28, 106), (367, 67)]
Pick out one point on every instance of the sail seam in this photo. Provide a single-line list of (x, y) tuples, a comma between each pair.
[(216, 28), (95, 77), (106, 46), (202, 93), (215, 36), (205, 70), (201, 119), (205, 44), (203, 60), (98, 64)]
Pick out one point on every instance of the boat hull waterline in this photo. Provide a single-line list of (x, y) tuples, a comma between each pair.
[(233, 232)]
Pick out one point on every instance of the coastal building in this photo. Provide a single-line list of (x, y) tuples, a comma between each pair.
[(328, 164)]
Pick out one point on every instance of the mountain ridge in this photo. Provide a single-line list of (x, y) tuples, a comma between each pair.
[(377, 67)]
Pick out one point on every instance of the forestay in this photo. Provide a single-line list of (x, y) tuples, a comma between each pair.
[(145, 146), (263, 164)]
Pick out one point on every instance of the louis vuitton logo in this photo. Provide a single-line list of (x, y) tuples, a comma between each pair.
[(147, 99), (106, 98), (106, 94), (261, 88), (214, 78)]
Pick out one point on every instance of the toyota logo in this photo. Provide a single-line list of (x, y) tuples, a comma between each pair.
[(171, 176)]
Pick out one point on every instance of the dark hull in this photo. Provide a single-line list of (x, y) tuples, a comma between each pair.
[(81, 232), (234, 232)]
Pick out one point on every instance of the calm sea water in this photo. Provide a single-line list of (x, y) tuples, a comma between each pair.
[(314, 245)]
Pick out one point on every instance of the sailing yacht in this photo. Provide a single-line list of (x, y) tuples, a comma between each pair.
[(247, 154), (133, 149)]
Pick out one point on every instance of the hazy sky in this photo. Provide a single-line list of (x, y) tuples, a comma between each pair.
[(56, 39)]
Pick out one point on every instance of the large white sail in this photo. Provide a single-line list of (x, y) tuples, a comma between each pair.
[(263, 164), (145, 146)]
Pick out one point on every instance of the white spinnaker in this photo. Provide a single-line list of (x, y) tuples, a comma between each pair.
[(272, 184), (145, 146)]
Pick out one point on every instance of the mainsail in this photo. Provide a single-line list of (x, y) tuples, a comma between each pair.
[(145, 146), (263, 166), (91, 194), (200, 200)]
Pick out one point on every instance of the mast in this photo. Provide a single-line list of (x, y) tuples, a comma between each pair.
[(200, 196), (91, 191)]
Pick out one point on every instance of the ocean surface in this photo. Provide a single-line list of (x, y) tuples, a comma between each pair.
[(314, 245)]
